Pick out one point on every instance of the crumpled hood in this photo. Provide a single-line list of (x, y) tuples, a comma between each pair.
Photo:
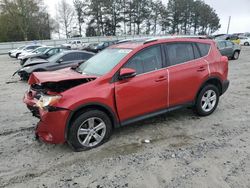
[(35, 61), (57, 76)]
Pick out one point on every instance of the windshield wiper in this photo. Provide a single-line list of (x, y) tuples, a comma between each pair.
[(76, 69)]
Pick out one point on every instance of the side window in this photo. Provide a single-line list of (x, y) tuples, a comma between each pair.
[(52, 51), (229, 44), (146, 61), (30, 47), (196, 51), (85, 56), (69, 57), (221, 44), (204, 48), (106, 44), (179, 52)]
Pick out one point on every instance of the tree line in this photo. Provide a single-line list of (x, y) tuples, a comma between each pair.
[(29, 19), (24, 20), (134, 17)]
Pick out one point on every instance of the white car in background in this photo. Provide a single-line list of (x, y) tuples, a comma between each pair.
[(28, 48), (15, 50), (36, 51), (74, 44), (245, 41)]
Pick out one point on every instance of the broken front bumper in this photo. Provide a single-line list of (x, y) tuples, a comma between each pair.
[(52, 124)]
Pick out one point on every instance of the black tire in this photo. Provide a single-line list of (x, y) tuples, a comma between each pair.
[(22, 62), (17, 55), (246, 44), (73, 137), (199, 104), (236, 55)]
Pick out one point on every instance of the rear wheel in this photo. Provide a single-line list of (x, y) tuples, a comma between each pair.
[(207, 100), (236, 55), (89, 130)]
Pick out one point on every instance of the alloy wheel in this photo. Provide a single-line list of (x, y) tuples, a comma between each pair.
[(91, 132), (208, 100)]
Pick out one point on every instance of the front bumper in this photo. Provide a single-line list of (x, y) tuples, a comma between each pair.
[(225, 85), (23, 75), (51, 127)]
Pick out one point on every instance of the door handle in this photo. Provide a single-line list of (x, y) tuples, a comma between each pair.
[(161, 78), (201, 69)]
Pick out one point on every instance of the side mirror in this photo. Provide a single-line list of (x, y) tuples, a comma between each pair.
[(126, 73), (224, 59), (60, 60)]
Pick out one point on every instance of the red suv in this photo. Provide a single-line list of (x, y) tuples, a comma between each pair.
[(126, 83)]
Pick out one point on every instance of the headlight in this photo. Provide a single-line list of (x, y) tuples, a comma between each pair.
[(47, 100), (25, 68)]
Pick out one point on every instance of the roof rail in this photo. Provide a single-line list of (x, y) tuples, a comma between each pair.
[(175, 36)]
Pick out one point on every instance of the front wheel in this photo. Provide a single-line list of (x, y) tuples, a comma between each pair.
[(207, 100), (89, 130)]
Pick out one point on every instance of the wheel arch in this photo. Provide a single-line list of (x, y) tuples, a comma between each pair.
[(212, 80), (102, 107)]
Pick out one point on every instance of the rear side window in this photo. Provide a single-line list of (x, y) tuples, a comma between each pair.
[(221, 44), (204, 48), (179, 52), (70, 57), (85, 56), (229, 44), (146, 61)]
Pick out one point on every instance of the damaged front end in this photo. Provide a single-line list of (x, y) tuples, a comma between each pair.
[(46, 95)]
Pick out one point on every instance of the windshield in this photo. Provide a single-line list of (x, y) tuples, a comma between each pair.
[(104, 61), (55, 57), (41, 49), (21, 47)]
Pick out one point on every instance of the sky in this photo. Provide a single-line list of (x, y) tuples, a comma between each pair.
[(239, 11)]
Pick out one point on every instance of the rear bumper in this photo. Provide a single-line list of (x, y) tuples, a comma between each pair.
[(225, 85)]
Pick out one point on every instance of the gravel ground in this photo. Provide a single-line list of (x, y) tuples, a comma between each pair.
[(185, 150)]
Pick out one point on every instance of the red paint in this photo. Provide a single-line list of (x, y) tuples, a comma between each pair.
[(130, 97)]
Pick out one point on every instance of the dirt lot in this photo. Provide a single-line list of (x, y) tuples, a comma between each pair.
[(185, 150)]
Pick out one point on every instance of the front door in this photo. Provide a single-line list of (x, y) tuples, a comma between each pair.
[(148, 91)]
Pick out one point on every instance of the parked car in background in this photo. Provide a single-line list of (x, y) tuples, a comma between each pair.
[(229, 49), (75, 44), (28, 48), (90, 46), (55, 62), (244, 41), (45, 55), (26, 55), (123, 84), (15, 50), (101, 46)]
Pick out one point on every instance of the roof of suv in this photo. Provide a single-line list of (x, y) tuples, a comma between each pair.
[(137, 43)]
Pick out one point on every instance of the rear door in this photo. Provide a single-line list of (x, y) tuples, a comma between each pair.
[(222, 48), (148, 91), (186, 71), (229, 48)]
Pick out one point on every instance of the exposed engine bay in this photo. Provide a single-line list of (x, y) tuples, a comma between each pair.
[(60, 86)]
